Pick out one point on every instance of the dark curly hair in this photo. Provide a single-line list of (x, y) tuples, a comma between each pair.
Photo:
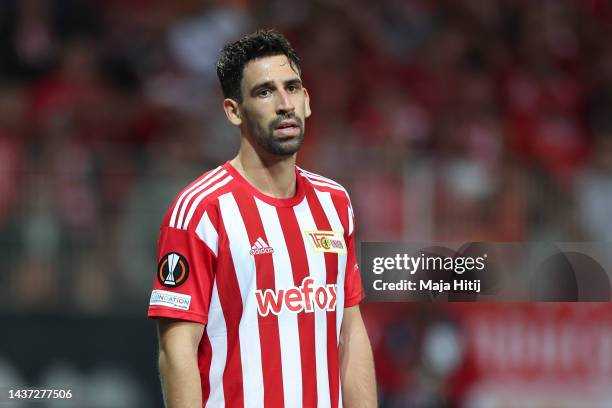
[(234, 57)]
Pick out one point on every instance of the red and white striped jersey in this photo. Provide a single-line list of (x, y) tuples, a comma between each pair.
[(270, 278)]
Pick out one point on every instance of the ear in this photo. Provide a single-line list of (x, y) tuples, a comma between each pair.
[(307, 111), (232, 111)]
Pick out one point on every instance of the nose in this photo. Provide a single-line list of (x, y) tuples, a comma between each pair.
[(284, 104)]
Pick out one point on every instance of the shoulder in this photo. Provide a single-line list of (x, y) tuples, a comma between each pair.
[(197, 198), (339, 196), (325, 184)]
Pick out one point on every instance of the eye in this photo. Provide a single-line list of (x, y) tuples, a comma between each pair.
[(264, 93), (293, 88)]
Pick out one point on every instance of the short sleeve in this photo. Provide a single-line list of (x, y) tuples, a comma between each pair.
[(184, 277), (353, 288)]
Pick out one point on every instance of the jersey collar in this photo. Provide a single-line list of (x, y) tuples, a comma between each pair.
[(277, 202)]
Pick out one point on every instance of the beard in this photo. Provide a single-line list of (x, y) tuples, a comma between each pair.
[(278, 146)]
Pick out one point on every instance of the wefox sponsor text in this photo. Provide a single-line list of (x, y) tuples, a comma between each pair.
[(305, 298)]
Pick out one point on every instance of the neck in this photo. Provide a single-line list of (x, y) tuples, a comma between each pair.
[(272, 175)]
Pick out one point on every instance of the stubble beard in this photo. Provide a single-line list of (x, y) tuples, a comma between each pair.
[(264, 137)]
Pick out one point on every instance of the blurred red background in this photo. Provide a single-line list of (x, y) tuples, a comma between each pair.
[(474, 120)]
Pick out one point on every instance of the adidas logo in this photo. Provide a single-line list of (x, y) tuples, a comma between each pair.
[(260, 247)]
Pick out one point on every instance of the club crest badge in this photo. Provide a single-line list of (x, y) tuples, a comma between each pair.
[(326, 241)]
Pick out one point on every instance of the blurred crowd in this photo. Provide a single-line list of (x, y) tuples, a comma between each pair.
[(447, 121), (480, 120)]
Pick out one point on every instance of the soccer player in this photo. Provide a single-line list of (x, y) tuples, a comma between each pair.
[(257, 287)]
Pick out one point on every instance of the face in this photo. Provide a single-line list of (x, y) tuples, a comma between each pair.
[(274, 105)]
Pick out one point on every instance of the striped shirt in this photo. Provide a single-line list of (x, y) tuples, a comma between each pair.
[(269, 277)]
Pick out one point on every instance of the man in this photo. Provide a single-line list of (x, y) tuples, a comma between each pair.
[(257, 287)]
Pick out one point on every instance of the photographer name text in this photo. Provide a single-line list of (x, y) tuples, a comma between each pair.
[(457, 285)]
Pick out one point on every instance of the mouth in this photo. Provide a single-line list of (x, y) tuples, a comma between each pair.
[(287, 128)]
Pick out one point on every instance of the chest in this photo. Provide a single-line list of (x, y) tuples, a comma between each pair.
[(283, 258), (281, 245)]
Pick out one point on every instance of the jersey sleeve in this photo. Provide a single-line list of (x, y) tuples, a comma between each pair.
[(185, 275), (353, 288)]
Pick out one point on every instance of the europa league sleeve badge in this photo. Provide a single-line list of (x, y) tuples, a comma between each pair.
[(172, 270)]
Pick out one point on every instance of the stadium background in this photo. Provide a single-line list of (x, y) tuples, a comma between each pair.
[(446, 120)]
